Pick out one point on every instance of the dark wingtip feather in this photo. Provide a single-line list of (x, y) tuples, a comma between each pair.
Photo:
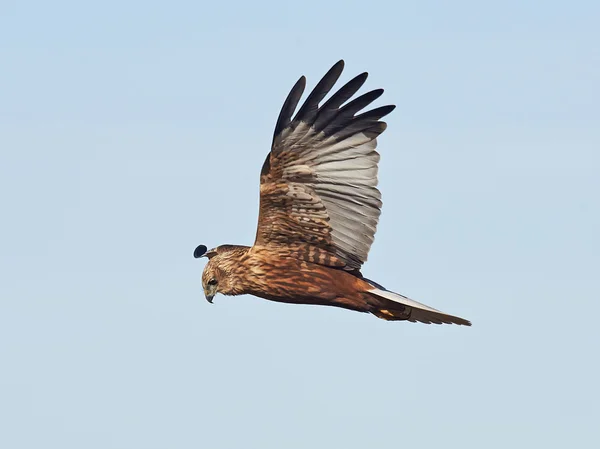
[(338, 65), (370, 128), (330, 108), (310, 107), (361, 102), (376, 114), (289, 106), (344, 119)]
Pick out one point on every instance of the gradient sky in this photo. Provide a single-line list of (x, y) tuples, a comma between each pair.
[(130, 132)]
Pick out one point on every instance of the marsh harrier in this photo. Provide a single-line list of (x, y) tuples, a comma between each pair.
[(319, 208)]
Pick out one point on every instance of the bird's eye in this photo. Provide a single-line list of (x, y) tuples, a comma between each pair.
[(213, 281)]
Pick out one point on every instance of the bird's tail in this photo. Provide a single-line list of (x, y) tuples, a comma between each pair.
[(392, 306)]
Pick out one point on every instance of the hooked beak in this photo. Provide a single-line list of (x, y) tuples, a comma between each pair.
[(209, 292)]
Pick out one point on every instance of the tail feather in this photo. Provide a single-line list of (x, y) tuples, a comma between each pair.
[(398, 307)]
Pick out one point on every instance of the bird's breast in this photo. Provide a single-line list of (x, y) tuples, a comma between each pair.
[(292, 280)]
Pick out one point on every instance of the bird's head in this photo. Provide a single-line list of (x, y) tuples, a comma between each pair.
[(210, 279), (217, 275)]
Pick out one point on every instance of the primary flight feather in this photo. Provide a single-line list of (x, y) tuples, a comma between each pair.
[(319, 209)]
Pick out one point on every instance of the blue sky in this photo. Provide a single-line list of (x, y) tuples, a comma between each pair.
[(131, 132)]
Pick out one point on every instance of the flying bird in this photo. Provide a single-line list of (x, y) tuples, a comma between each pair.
[(319, 209)]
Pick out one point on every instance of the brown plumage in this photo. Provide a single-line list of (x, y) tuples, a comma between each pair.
[(319, 209)]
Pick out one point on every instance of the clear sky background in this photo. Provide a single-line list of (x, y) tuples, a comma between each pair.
[(130, 132)]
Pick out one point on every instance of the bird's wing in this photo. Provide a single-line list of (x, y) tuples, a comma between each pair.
[(318, 195)]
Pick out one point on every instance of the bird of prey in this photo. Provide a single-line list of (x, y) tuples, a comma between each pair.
[(319, 209)]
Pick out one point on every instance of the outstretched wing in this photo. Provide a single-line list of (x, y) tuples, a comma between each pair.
[(318, 194)]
